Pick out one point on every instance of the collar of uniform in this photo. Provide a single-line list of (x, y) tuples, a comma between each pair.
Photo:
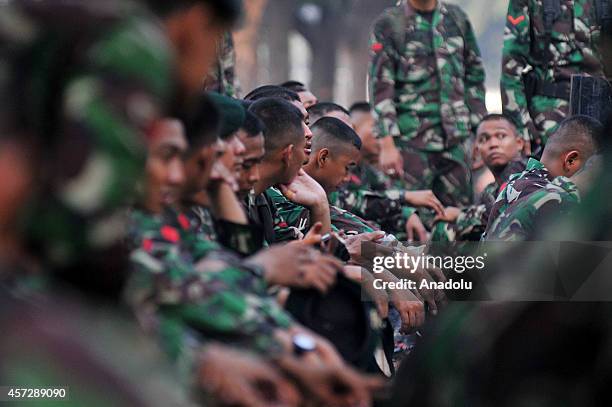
[(534, 164), (411, 11)]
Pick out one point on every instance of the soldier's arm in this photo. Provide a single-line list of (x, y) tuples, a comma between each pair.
[(515, 60), (381, 85), (474, 78)]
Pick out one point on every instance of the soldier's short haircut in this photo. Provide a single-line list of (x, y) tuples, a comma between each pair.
[(272, 91), (333, 134), (252, 126), (499, 117), (282, 123), (580, 132), (226, 11), (294, 86), (360, 107), (317, 111), (202, 124)]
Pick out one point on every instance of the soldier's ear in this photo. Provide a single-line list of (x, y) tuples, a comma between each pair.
[(287, 154), (571, 161), (322, 156)]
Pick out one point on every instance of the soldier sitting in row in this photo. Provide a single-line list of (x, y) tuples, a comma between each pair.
[(544, 190), (500, 146)]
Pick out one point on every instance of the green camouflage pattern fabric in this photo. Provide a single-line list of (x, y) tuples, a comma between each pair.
[(446, 173), (426, 80), (570, 48), (201, 222), (57, 339), (472, 221), (527, 201), (184, 287), (292, 221), (296, 218), (370, 194), (118, 82), (222, 76)]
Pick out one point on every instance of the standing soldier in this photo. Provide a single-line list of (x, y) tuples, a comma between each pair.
[(427, 88), (545, 43)]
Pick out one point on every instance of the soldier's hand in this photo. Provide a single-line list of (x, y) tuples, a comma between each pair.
[(410, 308), (220, 174), (415, 229), (297, 265), (243, 380), (424, 198), (450, 214), (305, 191), (333, 385), (390, 158), (353, 245)]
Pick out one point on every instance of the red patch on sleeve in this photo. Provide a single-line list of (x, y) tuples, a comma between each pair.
[(516, 20), (282, 225), (183, 221), (147, 245), (170, 234), (377, 47), (503, 186)]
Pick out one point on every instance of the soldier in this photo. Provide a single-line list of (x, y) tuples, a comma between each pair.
[(544, 189), (545, 43), (285, 153), (306, 96), (500, 146), (329, 109), (370, 194), (427, 89), (222, 76)]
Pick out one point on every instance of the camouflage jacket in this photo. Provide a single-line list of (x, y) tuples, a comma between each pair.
[(86, 81), (370, 195), (538, 62), (242, 239), (296, 218), (222, 75), (472, 221), (426, 79), (184, 287), (527, 201)]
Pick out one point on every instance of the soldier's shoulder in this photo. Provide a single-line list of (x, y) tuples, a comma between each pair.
[(456, 12), (391, 19)]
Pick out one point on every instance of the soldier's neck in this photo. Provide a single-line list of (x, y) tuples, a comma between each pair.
[(423, 5)]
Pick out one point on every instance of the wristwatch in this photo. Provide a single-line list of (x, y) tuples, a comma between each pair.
[(303, 344)]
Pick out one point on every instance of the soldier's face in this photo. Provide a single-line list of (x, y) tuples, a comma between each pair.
[(307, 132), (498, 143), (165, 171), (194, 34), (307, 98), (370, 145), (199, 166), (334, 168), (254, 153), (234, 155)]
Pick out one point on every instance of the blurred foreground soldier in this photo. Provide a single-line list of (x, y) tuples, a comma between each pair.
[(545, 43), (500, 146), (222, 75), (306, 96), (544, 191), (427, 89)]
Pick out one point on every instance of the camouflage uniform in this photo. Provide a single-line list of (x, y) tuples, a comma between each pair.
[(370, 195), (543, 48), (529, 199), (472, 221), (186, 288), (296, 218), (87, 82), (222, 77), (427, 88)]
